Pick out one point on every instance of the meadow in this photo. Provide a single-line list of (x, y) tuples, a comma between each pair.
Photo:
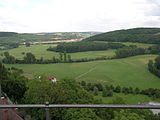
[(41, 51), (130, 71)]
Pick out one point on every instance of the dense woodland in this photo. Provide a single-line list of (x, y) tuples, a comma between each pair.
[(154, 66), (8, 34), (65, 91), (129, 51), (84, 46), (141, 35)]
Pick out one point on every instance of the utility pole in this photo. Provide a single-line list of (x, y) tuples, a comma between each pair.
[(47, 112)]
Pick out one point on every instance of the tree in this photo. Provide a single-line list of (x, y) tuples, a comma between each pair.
[(99, 86), (130, 90), (154, 67), (83, 83), (69, 58), (111, 87), (118, 100), (136, 91), (157, 62), (150, 66), (28, 44), (41, 91), (80, 114), (60, 56), (127, 115), (66, 91), (23, 53), (117, 89), (13, 84), (41, 60), (29, 58), (125, 90), (54, 59), (107, 93), (65, 56), (95, 90), (8, 58)]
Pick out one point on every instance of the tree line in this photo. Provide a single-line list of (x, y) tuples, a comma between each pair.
[(64, 57), (29, 58), (84, 46), (154, 66), (8, 34), (7, 46), (108, 90), (133, 50)]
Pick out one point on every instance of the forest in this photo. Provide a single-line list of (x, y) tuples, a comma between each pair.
[(85, 46), (141, 35)]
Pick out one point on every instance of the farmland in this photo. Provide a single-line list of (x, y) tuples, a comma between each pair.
[(130, 71), (40, 51), (127, 72)]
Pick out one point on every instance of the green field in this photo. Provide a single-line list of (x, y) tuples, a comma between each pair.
[(130, 71), (40, 51), (129, 99)]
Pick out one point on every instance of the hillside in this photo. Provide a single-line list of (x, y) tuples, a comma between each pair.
[(12, 37), (130, 71), (142, 35)]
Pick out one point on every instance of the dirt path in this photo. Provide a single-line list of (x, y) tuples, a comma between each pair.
[(83, 74)]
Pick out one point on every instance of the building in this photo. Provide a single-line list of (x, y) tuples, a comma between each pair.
[(11, 114), (53, 79)]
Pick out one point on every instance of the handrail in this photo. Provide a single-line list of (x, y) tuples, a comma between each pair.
[(80, 106)]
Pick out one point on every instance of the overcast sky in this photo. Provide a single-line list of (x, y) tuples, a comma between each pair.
[(77, 15)]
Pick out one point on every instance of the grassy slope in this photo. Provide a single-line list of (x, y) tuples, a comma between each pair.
[(44, 36), (125, 72), (40, 51)]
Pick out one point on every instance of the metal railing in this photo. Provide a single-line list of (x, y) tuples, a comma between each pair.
[(47, 106), (81, 106)]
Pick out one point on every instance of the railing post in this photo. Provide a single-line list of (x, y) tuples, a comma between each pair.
[(47, 112)]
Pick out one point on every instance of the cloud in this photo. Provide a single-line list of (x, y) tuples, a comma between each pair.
[(77, 15)]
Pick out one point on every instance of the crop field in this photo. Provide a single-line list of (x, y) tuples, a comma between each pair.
[(41, 51), (130, 71)]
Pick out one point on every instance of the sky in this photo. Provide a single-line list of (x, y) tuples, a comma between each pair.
[(32, 16)]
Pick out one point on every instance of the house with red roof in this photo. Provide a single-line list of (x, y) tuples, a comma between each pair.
[(53, 79)]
